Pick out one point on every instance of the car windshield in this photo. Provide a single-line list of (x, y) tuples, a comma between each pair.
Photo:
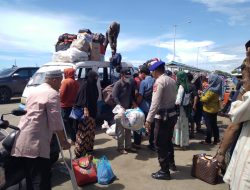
[(37, 79), (6, 72)]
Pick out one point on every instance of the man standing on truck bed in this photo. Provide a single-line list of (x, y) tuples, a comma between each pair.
[(111, 37)]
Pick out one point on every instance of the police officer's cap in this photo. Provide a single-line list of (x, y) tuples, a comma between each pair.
[(155, 65)]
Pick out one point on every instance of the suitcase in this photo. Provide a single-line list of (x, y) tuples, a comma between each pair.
[(85, 170), (205, 168)]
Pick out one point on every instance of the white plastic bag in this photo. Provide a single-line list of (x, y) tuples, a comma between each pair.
[(85, 36), (71, 55), (111, 130), (81, 44), (136, 119), (118, 109)]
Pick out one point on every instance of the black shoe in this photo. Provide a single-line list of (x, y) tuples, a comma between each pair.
[(161, 175), (172, 167), (151, 147)]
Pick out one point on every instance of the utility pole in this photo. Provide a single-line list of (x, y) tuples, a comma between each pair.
[(175, 25)]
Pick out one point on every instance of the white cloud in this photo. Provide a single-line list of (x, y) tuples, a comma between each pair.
[(237, 10), (203, 54), (34, 30)]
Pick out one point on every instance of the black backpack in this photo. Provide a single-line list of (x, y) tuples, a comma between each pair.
[(116, 60)]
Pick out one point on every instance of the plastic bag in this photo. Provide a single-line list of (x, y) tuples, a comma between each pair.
[(71, 55), (81, 44), (135, 118), (105, 173), (110, 129), (118, 109), (76, 113)]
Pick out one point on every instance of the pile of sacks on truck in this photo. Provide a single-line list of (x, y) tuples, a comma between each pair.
[(85, 46)]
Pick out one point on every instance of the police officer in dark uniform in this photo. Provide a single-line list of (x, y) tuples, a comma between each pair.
[(163, 113)]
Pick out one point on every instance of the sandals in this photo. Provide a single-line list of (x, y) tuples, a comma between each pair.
[(122, 151)]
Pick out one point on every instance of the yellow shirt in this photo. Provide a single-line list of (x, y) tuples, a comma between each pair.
[(210, 102)]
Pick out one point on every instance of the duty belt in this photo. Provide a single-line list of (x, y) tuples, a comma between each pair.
[(165, 114)]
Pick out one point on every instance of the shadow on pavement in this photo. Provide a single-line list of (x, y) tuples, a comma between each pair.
[(145, 154), (101, 141), (198, 146), (116, 186), (182, 173), (111, 152)]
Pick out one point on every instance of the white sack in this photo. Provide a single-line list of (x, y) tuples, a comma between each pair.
[(71, 55)]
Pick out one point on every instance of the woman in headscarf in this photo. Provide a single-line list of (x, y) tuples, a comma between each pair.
[(211, 105), (87, 99), (181, 131)]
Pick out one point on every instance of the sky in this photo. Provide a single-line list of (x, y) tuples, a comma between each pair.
[(208, 34)]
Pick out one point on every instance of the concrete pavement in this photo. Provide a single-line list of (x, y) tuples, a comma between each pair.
[(134, 170)]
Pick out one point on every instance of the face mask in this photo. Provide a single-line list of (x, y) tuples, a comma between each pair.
[(126, 80)]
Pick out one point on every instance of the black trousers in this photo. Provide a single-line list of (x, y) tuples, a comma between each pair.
[(137, 136), (163, 134), (37, 171), (212, 128), (70, 127)]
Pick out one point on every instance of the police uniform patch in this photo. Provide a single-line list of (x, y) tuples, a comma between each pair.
[(155, 88)]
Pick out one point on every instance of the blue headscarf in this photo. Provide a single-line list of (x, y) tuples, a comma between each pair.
[(215, 84)]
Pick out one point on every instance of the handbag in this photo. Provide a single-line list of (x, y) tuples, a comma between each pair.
[(85, 170), (8, 142), (105, 173), (205, 167), (77, 113)]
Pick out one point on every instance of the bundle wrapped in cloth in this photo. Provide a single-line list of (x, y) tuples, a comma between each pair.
[(132, 119)]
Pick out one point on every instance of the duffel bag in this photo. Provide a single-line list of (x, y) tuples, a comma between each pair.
[(205, 168)]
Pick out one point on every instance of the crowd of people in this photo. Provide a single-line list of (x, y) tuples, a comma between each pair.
[(173, 103)]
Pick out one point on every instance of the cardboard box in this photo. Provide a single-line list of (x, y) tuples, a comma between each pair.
[(95, 52)]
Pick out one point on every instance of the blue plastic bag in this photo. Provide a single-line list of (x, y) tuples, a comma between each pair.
[(105, 173), (76, 113)]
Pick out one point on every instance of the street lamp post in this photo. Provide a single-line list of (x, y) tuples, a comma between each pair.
[(174, 40), (197, 61), (175, 25)]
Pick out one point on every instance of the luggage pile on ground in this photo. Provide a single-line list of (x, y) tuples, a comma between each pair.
[(81, 47), (88, 169)]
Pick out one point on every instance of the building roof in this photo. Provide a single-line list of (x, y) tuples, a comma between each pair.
[(184, 66)]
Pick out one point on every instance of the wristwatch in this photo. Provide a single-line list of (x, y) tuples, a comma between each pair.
[(242, 90)]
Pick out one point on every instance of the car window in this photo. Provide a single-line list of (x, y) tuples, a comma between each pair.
[(32, 71), (23, 73), (81, 73), (6, 72), (37, 79)]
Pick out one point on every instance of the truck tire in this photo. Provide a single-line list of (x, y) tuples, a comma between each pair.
[(5, 95)]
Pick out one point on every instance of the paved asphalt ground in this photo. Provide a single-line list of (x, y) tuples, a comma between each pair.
[(134, 170)]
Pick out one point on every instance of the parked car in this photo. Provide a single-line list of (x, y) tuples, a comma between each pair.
[(13, 81)]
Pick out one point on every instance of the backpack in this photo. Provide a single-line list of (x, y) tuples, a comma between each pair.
[(186, 99), (148, 94), (116, 60), (107, 95)]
